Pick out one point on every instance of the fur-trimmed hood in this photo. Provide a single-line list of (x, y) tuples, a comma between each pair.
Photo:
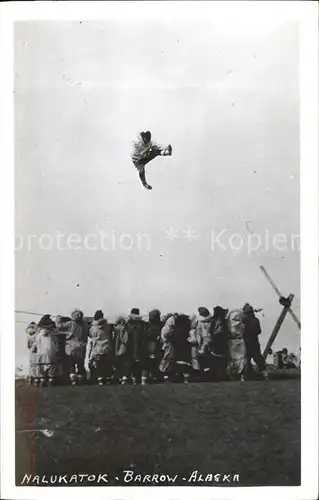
[(205, 319), (220, 312), (32, 328), (154, 316)]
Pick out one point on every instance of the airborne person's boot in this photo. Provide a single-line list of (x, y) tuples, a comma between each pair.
[(143, 179)]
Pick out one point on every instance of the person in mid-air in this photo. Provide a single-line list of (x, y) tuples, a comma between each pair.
[(145, 150)]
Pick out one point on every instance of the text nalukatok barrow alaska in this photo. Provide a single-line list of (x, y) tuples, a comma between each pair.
[(129, 477)]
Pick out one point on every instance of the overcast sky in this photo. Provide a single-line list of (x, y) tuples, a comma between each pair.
[(227, 101)]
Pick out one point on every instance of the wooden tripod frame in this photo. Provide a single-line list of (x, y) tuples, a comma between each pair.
[(286, 303)]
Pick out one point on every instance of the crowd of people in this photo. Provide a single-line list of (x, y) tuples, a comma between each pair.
[(173, 347), (286, 360)]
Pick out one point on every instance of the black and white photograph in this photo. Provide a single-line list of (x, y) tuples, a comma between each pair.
[(158, 325)]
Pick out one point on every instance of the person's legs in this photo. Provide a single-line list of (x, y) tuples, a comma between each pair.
[(195, 364), (249, 372), (81, 373), (186, 376), (72, 370), (152, 154), (42, 374), (167, 363), (182, 370), (53, 373), (99, 367), (126, 368), (108, 369), (253, 352), (136, 372), (146, 368), (153, 369), (165, 369), (144, 377), (119, 368), (260, 361), (149, 157), (219, 368), (33, 372), (157, 152), (141, 173)]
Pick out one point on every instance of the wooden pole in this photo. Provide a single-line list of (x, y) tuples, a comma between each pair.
[(294, 317), (277, 327)]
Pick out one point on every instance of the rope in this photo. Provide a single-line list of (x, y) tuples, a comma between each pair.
[(32, 313)]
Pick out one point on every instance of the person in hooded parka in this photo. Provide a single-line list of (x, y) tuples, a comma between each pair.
[(182, 353), (46, 349), (237, 361), (101, 353), (195, 341), (176, 360), (59, 320), (166, 366), (76, 338), (152, 347), (136, 345), (145, 150), (121, 353), (252, 330), (31, 331), (219, 342), (204, 334), (200, 340)]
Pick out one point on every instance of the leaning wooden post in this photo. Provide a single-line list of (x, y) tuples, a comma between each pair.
[(294, 317), (278, 325)]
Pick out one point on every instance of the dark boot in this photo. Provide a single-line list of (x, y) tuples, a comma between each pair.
[(142, 177)]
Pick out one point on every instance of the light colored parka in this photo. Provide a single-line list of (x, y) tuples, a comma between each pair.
[(237, 349), (199, 338), (46, 351), (120, 337), (31, 331), (101, 339), (76, 338)]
